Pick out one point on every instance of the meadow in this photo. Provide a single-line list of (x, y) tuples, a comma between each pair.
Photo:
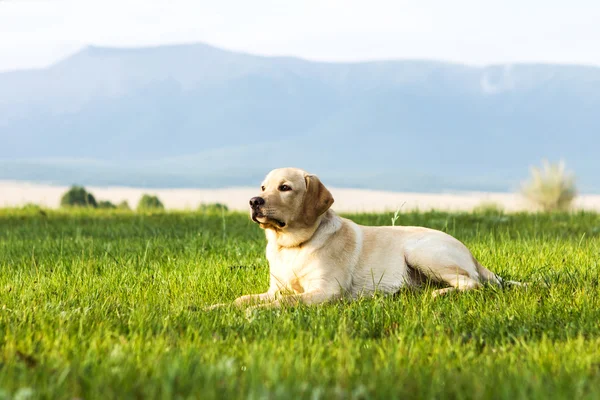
[(111, 304)]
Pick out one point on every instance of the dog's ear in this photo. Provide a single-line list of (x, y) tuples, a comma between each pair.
[(317, 199)]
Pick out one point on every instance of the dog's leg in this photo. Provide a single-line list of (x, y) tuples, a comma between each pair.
[(459, 282), (308, 298), (245, 300), (254, 298)]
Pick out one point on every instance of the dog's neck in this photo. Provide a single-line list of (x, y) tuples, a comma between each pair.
[(297, 237)]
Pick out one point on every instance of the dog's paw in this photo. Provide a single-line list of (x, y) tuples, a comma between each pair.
[(250, 313), (216, 306), (442, 292)]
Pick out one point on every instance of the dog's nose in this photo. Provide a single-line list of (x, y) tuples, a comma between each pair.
[(256, 201)]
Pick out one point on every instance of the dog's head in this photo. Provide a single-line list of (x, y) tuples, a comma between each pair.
[(290, 198)]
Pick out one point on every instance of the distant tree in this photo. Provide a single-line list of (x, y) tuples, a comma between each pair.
[(149, 203), (106, 205), (550, 187), (212, 207), (77, 196), (124, 205)]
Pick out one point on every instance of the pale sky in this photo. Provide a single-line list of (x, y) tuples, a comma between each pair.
[(37, 33)]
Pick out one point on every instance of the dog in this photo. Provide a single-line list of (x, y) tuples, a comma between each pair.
[(315, 256)]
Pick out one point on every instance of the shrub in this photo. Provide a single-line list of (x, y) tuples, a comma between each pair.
[(31, 207), (488, 207), (150, 203), (105, 204), (550, 187), (77, 196), (124, 205), (213, 207)]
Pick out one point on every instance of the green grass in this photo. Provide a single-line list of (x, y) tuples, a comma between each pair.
[(109, 304)]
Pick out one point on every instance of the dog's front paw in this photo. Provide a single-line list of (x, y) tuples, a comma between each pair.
[(250, 313), (442, 292), (216, 306)]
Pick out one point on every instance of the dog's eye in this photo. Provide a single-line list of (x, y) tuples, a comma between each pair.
[(284, 188), (262, 188)]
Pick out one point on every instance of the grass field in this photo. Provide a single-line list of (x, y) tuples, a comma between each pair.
[(100, 305)]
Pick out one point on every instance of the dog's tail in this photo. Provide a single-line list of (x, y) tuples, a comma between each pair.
[(488, 276)]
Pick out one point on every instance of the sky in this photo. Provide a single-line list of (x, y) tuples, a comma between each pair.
[(37, 33)]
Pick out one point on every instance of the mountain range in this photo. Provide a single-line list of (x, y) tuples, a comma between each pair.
[(199, 116)]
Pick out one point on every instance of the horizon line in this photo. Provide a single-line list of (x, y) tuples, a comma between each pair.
[(89, 46)]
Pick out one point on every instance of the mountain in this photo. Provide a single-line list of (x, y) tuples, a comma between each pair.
[(195, 115)]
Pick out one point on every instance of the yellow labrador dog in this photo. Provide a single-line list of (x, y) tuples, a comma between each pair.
[(316, 256)]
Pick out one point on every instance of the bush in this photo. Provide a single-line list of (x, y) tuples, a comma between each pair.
[(550, 187), (488, 208), (105, 204), (77, 196), (150, 203), (124, 205), (31, 207), (213, 207)]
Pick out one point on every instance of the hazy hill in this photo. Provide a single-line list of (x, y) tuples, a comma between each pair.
[(195, 115)]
